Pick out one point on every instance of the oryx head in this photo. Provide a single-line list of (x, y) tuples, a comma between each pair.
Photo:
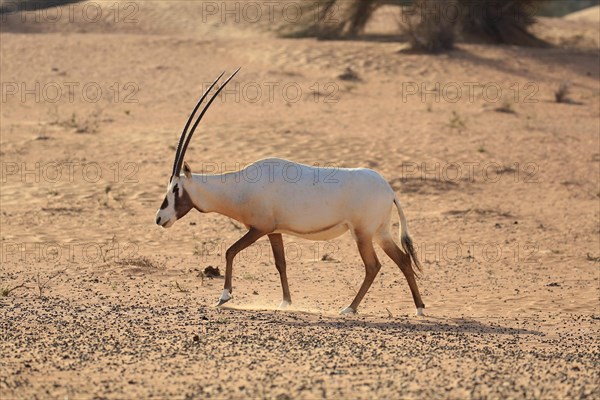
[(177, 202)]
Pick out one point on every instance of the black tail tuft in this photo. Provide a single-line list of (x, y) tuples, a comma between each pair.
[(408, 247)]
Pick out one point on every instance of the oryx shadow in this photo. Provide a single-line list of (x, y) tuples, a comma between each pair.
[(299, 318), (424, 325)]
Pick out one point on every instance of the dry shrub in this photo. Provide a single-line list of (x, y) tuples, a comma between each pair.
[(561, 95), (434, 24), (140, 262), (435, 30), (493, 21), (499, 21), (328, 19)]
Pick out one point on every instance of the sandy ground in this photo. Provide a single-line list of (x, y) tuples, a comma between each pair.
[(591, 14), (501, 191)]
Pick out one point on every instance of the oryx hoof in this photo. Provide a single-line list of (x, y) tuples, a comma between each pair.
[(420, 312), (225, 297), (284, 305), (348, 310)]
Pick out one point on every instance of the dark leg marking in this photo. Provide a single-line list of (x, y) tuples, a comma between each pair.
[(278, 252), (403, 261), (372, 267), (249, 238)]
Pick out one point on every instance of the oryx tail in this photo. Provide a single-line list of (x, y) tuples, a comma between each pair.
[(405, 239)]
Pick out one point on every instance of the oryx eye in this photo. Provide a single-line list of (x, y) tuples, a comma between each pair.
[(175, 189)]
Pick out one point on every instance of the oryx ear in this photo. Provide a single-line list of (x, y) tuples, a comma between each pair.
[(187, 171)]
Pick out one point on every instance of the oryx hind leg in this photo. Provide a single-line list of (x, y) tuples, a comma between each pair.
[(278, 252), (372, 267), (402, 259)]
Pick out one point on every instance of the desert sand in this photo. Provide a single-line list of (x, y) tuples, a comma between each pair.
[(591, 14), (499, 182)]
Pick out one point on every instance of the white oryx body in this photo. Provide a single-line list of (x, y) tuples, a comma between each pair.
[(282, 196), (274, 196)]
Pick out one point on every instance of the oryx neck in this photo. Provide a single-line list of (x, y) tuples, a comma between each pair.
[(215, 193)]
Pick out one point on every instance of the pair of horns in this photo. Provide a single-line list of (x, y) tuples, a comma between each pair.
[(182, 146)]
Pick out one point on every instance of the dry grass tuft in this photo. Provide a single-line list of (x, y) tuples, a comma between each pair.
[(506, 107), (6, 291), (141, 262), (562, 93), (41, 285)]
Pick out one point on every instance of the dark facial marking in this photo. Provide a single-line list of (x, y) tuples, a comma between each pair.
[(164, 204), (175, 189), (183, 204)]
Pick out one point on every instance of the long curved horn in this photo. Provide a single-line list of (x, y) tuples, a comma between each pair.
[(189, 137), (187, 125)]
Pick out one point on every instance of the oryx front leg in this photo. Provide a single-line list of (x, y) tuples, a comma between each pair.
[(250, 237), (372, 267), (279, 254)]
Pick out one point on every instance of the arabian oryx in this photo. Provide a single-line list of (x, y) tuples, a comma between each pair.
[(358, 200)]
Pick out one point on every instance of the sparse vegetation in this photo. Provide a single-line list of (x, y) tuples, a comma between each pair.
[(141, 262), (592, 258), (180, 289), (6, 291), (562, 93), (89, 124), (335, 18), (249, 277), (506, 107), (107, 190), (328, 258), (457, 122), (349, 75), (41, 284)]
